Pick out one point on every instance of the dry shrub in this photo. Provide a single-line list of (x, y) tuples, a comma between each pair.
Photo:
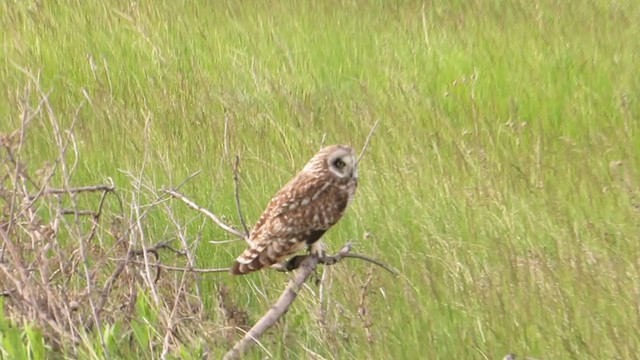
[(69, 262)]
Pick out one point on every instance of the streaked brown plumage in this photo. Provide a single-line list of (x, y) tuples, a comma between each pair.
[(300, 213)]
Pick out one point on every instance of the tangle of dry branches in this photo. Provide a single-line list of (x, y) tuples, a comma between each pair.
[(72, 269)]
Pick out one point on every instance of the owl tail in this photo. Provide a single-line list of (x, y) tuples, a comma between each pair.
[(239, 269), (242, 269), (253, 260)]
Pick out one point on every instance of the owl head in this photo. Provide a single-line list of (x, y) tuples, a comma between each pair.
[(338, 160)]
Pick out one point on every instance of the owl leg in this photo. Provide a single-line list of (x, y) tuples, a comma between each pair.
[(317, 249), (289, 265)]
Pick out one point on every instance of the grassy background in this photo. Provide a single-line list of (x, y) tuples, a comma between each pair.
[(502, 181)]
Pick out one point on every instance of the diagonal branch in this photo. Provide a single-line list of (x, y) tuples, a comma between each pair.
[(208, 213), (305, 269), (304, 266)]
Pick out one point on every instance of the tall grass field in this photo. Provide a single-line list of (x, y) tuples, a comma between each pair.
[(502, 181)]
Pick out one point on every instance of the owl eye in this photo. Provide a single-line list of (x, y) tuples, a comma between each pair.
[(339, 163)]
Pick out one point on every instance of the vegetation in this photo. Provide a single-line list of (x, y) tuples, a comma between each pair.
[(502, 182)]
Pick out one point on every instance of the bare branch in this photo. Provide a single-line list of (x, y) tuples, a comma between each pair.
[(345, 252), (366, 143), (95, 188), (363, 310), (78, 212), (182, 269), (187, 179), (236, 179), (218, 242), (154, 249), (304, 266), (371, 260), (208, 213), (305, 269)]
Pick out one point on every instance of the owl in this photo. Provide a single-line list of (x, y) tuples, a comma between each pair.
[(300, 213)]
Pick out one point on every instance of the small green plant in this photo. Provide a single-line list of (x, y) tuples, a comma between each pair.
[(20, 342)]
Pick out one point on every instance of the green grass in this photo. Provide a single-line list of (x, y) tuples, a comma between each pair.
[(502, 181)]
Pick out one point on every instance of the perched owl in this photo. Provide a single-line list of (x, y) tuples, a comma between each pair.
[(300, 213)]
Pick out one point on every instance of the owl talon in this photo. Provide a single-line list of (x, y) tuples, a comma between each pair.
[(283, 266), (316, 249), (293, 263)]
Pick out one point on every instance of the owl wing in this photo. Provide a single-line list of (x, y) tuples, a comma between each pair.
[(299, 213)]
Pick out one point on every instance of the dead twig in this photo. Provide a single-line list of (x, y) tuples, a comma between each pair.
[(236, 179), (208, 213), (366, 142), (75, 190), (363, 310), (187, 179), (78, 212), (181, 269), (371, 260), (295, 261), (154, 249), (96, 217)]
